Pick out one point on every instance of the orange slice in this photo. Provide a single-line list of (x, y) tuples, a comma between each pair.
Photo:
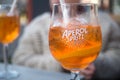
[(82, 52)]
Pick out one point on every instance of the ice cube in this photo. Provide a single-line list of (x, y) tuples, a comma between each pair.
[(82, 21), (57, 23), (77, 22)]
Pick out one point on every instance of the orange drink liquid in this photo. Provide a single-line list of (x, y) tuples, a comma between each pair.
[(9, 28), (75, 46)]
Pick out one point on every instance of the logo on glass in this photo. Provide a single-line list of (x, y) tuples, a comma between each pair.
[(74, 35)]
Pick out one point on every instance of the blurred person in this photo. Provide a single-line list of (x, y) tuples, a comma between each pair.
[(33, 50)]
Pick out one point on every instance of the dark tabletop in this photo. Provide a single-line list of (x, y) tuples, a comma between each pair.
[(34, 74)]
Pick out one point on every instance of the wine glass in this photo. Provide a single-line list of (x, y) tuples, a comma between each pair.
[(75, 36), (9, 31)]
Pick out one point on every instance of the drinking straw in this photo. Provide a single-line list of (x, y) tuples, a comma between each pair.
[(64, 11), (13, 6)]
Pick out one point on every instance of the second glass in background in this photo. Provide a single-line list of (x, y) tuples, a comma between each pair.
[(9, 31)]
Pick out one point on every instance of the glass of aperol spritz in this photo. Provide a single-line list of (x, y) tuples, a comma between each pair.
[(75, 36), (9, 31)]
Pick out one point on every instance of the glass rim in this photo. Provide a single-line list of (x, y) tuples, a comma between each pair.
[(69, 4), (5, 5)]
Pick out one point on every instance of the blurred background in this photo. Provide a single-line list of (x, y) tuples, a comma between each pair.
[(29, 9), (37, 7)]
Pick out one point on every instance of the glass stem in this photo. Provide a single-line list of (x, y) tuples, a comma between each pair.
[(5, 56), (75, 75)]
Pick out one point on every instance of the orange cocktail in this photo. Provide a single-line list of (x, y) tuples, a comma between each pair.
[(9, 28), (75, 46)]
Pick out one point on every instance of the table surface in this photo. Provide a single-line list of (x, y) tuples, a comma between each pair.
[(34, 74)]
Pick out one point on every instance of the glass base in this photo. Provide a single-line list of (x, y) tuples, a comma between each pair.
[(9, 75)]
